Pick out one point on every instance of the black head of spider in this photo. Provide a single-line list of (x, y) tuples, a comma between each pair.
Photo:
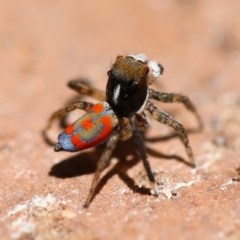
[(127, 87)]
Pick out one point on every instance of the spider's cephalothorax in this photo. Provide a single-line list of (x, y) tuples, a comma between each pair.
[(121, 114), (127, 86)]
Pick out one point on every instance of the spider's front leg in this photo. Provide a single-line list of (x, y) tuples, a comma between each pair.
[(102, 164), (84, 88), (61, 113), (139, 126), (176, 98), (167, 119)]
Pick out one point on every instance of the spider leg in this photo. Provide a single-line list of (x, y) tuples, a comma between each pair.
[(62, 112), (167, 119), (102, 164), (176, 97), (138, 122), (84, 88)]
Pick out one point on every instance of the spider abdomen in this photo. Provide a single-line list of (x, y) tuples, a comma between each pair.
[(91, 129)]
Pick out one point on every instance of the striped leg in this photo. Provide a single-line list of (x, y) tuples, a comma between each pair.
[(165, 118), (102, 164), (82, 87), (142, 153), (173, 98), (61, 113)]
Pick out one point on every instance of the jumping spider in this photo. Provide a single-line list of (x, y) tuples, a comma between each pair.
[(121, 114)]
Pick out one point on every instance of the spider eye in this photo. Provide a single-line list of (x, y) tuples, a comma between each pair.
[(134, 84), (130, 87)]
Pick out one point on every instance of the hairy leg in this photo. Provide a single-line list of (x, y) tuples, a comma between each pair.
[(173, 98), (138, 124), (102, 164), (61, 113), (167, 119), (82, 87)]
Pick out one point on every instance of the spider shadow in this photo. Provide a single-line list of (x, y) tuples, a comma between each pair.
[(86, 163)]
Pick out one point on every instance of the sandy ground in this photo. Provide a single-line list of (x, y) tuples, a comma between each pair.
[(43, 44)]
